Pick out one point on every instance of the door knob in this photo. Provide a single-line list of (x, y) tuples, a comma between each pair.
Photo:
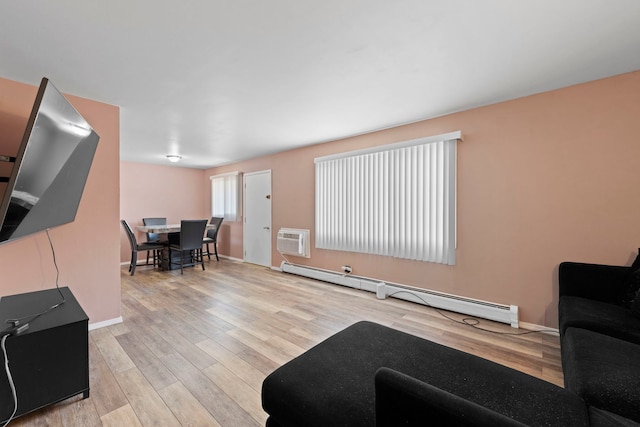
[(267, 228)]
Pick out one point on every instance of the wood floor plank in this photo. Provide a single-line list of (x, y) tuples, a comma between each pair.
[(179, 319), (151, 367), (245, 396), (215, 400), (119, 329), (79, 412), (46, 417), (108, 396), (258, 361), (145, 401), (145, 332), (186, 407), (272, 352), (123, 416), (234, 317), (240, 367), (116, 358), (190, 351)]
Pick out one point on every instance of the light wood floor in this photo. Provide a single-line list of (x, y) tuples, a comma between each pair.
[(194, 349)]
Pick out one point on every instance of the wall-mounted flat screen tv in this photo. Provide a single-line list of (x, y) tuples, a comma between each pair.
[(50, 168)]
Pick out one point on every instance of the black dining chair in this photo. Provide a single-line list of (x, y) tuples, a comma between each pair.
[(212, 237), (135, 247), (154, 237), (190, 244)]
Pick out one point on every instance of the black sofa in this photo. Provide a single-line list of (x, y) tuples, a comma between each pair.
[(372, 375), (600, 335)]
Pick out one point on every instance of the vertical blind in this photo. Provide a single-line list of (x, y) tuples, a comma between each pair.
[(225, 196), (396, 200)]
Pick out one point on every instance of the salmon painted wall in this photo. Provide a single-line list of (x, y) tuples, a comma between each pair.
[(87, 249), (542, 179), (159, 191)]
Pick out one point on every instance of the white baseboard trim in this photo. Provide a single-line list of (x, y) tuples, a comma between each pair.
[(230, 258), (105, 323), (487, 310)]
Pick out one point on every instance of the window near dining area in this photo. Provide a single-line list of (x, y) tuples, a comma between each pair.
[(225, 196), (395, 200)]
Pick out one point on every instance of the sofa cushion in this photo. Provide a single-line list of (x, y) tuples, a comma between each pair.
[(603, 370), (402, 400), (332, 384), (602, 418), (598, 316), (635, 307), (271, 423), (630, 289), (629, 294), (636, 262), (594, 281)]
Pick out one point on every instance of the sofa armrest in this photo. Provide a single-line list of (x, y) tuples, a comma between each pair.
[(404, 400), (594, 281)]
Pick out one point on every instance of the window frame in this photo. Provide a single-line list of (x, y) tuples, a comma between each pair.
[(231, 199), (393, 200)]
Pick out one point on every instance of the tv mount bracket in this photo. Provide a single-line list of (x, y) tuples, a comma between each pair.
[(8, 159)]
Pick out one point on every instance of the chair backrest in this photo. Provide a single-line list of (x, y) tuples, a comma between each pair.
[(132, 237), (191, 233), (213, 234), (154, 221)]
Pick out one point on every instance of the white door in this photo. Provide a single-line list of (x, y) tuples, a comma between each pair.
[(257, 218)]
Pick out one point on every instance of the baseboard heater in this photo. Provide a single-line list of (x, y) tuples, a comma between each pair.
[(487, 310)]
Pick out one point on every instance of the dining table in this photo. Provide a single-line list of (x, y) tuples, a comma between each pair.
[(166, 228), (170, 230)]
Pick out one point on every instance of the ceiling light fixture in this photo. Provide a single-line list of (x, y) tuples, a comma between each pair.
[(173, 157)]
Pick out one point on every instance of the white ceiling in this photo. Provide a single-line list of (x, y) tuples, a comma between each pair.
[(218, 81)]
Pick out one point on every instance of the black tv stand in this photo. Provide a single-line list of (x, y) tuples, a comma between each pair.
[(49, 360)]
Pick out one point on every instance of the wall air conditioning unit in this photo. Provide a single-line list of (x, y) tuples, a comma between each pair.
[(294, 241)]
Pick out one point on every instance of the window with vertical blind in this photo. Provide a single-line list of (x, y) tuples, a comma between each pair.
[(396, 200), (225, 196)]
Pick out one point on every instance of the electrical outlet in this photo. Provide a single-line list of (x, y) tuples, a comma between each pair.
[(347, 269)]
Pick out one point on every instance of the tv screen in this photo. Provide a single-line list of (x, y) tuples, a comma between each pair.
[(50, 168)]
